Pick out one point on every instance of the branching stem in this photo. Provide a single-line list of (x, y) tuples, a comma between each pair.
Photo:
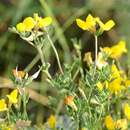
[(56, 53)]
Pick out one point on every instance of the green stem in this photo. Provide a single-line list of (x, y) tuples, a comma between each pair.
[(8, 116), (96, 51), (101, 112), (76, 73), (43, 62), (41, 55), (59, 35), (24, 107), (56, 53), (32, 63)]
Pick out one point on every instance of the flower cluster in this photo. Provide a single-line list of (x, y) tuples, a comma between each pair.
[(6, 106), (35, 23), (95, 25), (12, 99), (118, 79), (116, 51), (120, 124)]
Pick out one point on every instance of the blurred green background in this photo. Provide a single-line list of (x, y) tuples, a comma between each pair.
[(16, 52)]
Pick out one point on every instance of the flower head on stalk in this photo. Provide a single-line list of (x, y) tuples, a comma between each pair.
[(33, 23), (91, 23), (96, 27)]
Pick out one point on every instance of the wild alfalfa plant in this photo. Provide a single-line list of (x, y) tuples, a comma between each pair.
[(92, 95), (33, 30), (89, 95)]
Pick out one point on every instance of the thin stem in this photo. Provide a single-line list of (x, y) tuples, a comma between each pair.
[(42, 60), (96, 51), (59, 35), (76, 73), (32, 63), (56, 53), (41, 55), (24, 106), (8, 116)]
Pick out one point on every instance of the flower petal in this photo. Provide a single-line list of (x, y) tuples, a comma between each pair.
[(3, 105), (20, 27), (29, 23), (108, 25), (109, 123), (81, 24), (13, 97), (45, 22)]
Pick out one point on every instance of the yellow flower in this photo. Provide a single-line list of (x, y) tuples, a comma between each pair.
[(107, 26), (109, 123), (116, 51), (13, 97), (88, 58), (121, 124), (3, 105), (52, 121), (91, 22), (29, 23), (115, 72), (20, 27), (127, 111), (107, 50), (44, 22), (88, 25), (100, 86), (69, 100), (115, 86)]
